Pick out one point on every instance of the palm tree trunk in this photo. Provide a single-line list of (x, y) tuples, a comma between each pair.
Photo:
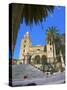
[(54, 52), (17, 11), (62, 61)]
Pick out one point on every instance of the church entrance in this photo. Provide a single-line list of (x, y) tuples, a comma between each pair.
[(37, 59), (44, 59)]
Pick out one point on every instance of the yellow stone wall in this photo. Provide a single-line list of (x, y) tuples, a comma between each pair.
[(34, 50)]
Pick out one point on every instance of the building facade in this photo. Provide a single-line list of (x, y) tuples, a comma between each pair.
[(37, 55)]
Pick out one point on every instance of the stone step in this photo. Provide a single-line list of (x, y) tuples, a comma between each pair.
[(19, 71)]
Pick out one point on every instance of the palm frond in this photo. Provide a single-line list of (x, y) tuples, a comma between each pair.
[(30, 13)]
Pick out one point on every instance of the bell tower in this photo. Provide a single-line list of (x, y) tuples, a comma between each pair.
[(24, 48), (50, 51)]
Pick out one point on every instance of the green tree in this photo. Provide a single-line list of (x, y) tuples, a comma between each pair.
[(60, 47), (51, 36), (58, 42)]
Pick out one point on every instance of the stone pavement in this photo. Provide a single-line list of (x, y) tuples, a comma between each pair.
[(34, 76), (19, 71)]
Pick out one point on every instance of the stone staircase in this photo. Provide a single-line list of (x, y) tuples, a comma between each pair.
[(23, 71)]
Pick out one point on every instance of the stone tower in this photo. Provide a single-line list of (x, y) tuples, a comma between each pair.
[(24, 48), (51, 53)]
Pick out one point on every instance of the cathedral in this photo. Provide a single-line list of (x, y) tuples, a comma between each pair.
[(37, 55)]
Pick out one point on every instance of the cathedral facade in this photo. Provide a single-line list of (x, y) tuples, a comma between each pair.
[(38, 54)]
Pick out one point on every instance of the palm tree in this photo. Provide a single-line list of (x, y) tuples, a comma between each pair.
[(55, 39), (60, 46), (28, 12), (51, 37), (63, 44)]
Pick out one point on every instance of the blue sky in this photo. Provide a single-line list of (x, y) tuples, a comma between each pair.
[(38, 32)]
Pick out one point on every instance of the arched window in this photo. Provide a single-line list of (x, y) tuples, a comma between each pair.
[(50, 48), (38, 49), (50, 41), (37, 59), (24, 50), (44, 59), (24, 41)]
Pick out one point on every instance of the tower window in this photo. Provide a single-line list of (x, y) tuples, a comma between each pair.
[(50, 48), (38, 49), (25, 41), (50, 42), (24, 50), (24, 45)]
